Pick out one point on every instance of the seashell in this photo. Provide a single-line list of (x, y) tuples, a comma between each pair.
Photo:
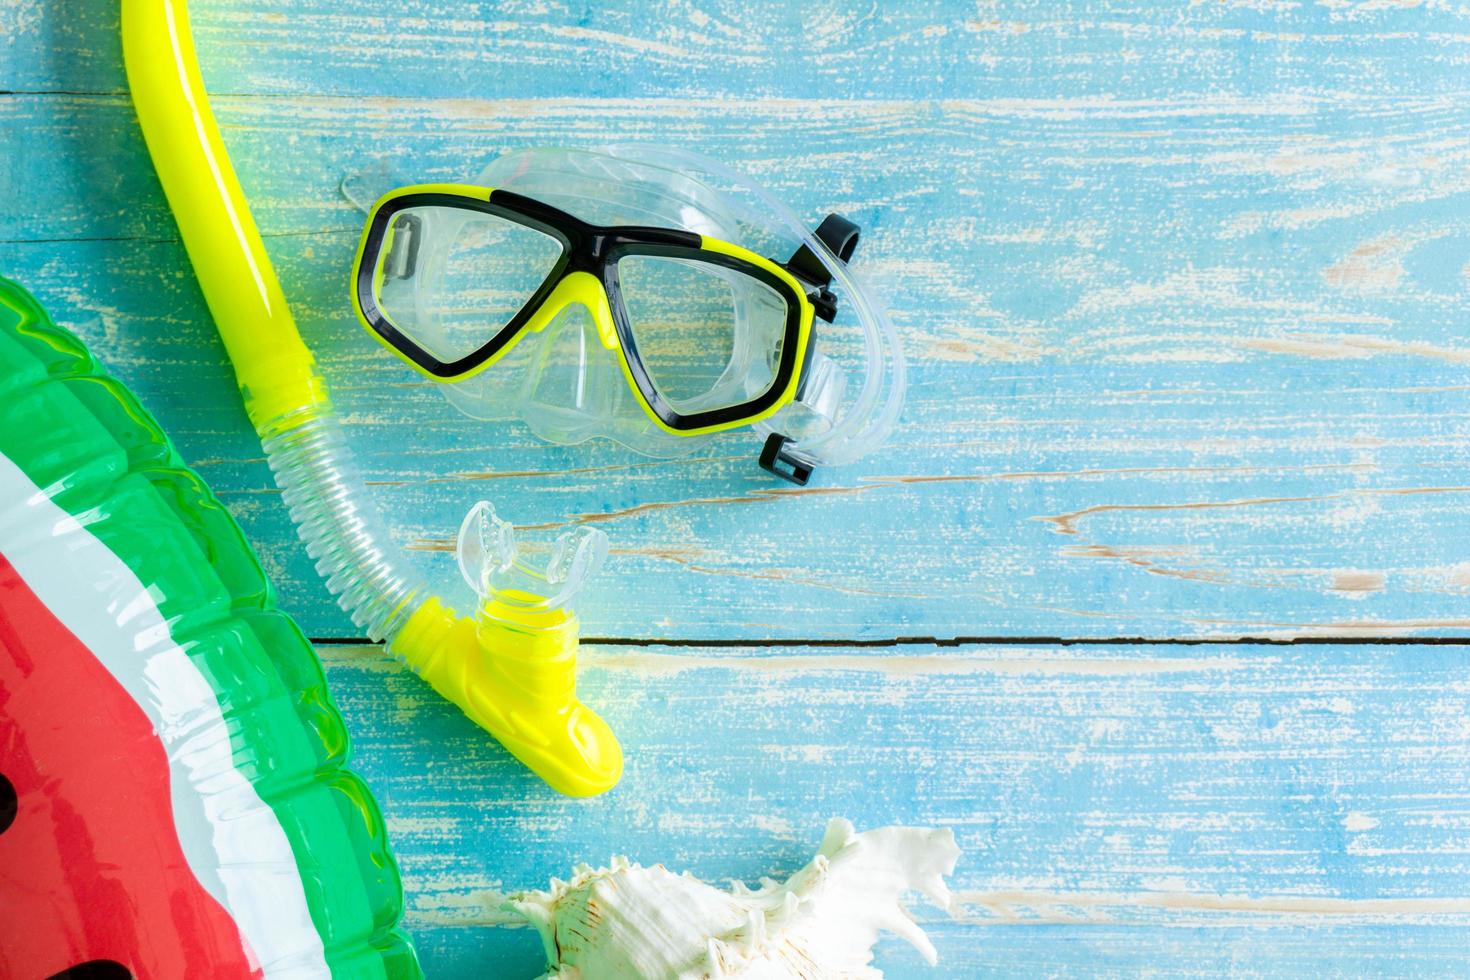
[(628, 922)]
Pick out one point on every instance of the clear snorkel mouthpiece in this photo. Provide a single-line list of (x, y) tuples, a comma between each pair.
[(492, 565)]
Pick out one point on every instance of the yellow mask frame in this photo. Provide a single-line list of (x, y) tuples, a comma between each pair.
[(586, 275)]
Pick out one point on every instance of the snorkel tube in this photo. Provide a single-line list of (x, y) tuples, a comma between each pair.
[(512, 667)]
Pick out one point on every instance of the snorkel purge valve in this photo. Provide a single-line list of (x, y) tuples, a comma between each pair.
[(510, 668), (629, 293)]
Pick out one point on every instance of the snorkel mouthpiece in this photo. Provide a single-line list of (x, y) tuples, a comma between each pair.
[(526, 634), (494, 568)]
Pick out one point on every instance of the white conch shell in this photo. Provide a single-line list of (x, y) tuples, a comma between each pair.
[(628, 922)]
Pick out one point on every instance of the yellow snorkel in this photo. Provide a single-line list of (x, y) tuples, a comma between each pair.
[(512, 667)]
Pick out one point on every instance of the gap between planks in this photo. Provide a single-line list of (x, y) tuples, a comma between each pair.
[(959, 641)]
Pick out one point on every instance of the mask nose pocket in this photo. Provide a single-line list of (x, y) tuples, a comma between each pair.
[(575, 384), (567, 386)]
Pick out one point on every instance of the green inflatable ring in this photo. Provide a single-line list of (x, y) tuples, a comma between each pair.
[(174, 792)]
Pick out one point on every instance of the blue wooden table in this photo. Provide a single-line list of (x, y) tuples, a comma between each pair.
[(1158, 596)]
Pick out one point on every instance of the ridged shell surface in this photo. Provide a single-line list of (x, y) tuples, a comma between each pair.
[(629, 922)]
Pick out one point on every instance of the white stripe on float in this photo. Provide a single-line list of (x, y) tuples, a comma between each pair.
[(232, 840)]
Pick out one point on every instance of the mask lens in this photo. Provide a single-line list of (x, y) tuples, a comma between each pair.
[(709, 336), (450, 279)]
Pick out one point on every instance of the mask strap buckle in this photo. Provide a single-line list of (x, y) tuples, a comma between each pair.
[(841, 236), (787, 465)]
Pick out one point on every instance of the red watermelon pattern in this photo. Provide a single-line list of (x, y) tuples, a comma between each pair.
[(87, 835)]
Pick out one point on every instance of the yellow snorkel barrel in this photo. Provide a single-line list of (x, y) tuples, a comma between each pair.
[(510, 669), (276, 371)]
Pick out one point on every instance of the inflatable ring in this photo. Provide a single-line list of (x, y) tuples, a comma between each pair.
[(174, 797)]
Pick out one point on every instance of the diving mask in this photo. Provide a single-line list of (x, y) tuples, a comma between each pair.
[(634, 293)]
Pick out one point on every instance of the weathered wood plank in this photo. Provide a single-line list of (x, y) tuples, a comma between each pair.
[(1097, 950), (1277, 804), (1026, 49), (1187, 367)]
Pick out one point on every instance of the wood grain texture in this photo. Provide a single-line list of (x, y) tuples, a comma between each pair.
[(1188, 367), (1183, 293), (1028, 49), (1272, 806)]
